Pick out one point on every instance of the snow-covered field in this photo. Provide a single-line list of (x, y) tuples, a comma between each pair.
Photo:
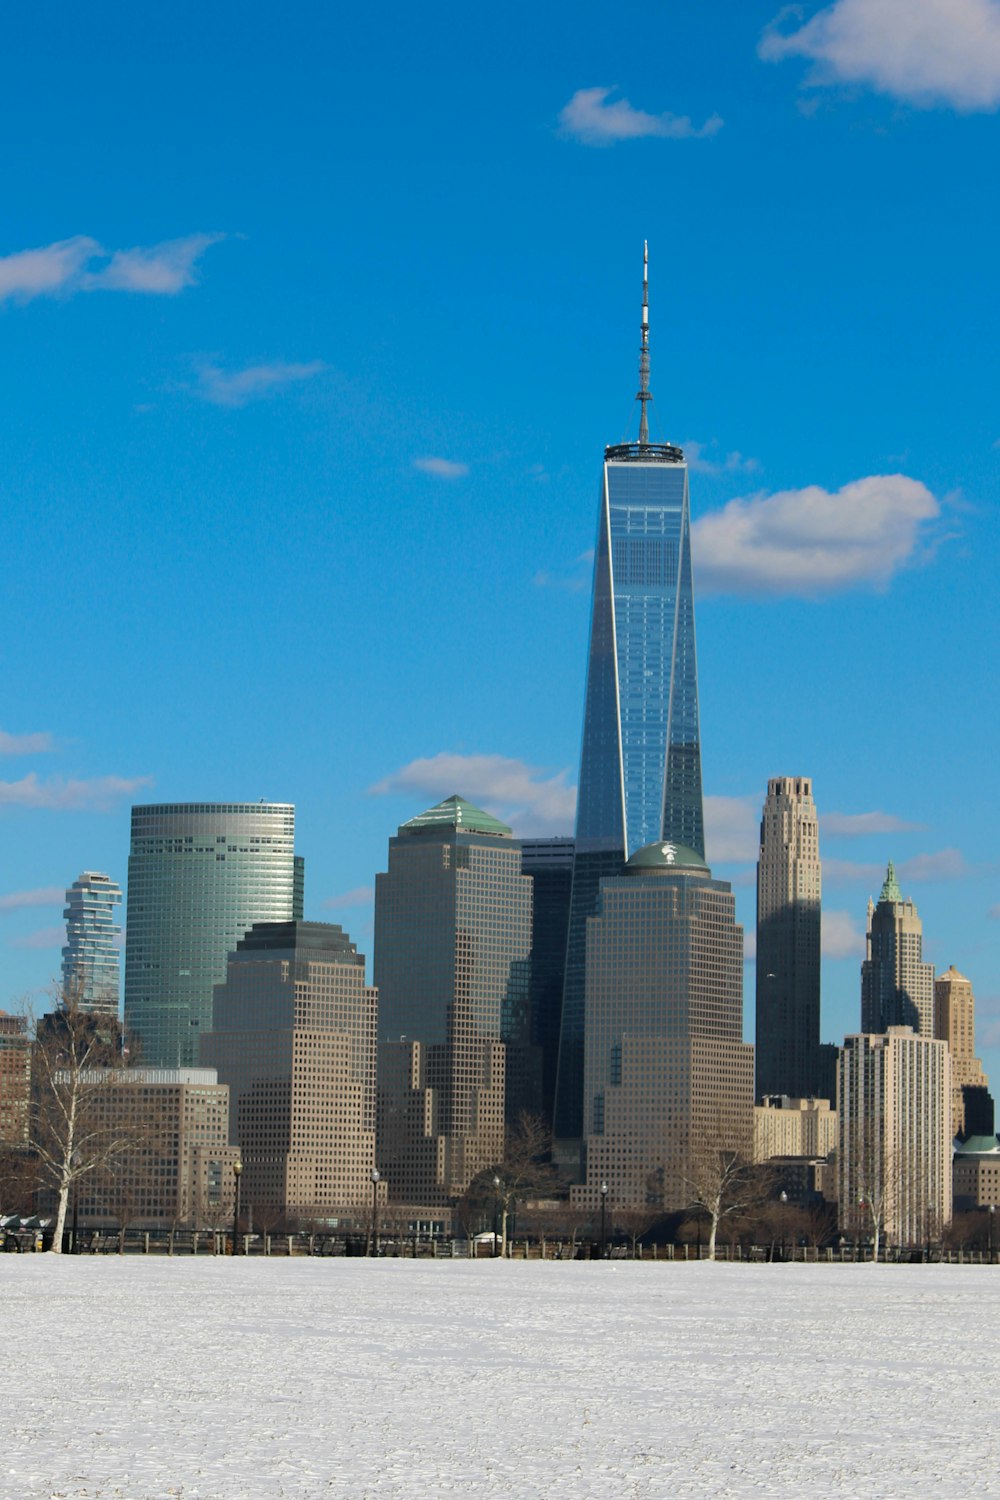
[(142, 1378)]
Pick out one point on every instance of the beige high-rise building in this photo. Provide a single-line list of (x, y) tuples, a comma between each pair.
[(955, 1023), (897, 987), (294, 1038), (452, 962), (667, 1075), (793, 1127), (894, 1151), (15, 1080)]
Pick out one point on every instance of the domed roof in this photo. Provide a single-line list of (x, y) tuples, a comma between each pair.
[(668, 856)]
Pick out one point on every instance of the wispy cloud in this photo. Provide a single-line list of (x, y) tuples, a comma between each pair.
[(531, 800), (441, 468), (253, 382), (75, 265), (25, 744), (361, 895), (928, 52), (45, 937), (811, 542), (859, 825), (575, 578), (732, 829), (942, 864), (162, 270), (594, 119), (840, 936), (96, 794), (48, 895), (701, 458)]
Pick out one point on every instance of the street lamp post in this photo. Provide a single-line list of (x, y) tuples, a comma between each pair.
[(783, 1199), (496, 1215), (989, 1224), (237, 1174), (604, 1219), (375, 1182)]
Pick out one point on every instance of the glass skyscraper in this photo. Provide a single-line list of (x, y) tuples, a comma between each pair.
[(90, 960), (640, 768), (200, 874)]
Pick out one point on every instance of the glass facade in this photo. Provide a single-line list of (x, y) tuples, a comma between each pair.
[(640, 769), (90, 959), (199, 876)]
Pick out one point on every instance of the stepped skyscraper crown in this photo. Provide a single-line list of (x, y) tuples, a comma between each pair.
[(640, 767)]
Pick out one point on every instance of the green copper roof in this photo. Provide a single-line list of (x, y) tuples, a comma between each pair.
[(890, 886), (455, 812), (978, 1145), (667, 856)]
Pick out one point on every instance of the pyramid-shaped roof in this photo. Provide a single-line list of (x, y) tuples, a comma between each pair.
[(890, 886), (456, 812)]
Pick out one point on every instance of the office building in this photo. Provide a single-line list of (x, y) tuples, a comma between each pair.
[(452, 949), (897, 987), (976, 1179), (15, 1080), (793, 1127), (894, 1158), (549, 862), (640, 765), (667, 1075), (90, 959), (294, 1039), (788, 941), (199, 876), (955, 1023)]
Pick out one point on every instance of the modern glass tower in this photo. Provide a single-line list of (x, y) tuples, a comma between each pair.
[(640, 768), (199, 876), (91, 968)]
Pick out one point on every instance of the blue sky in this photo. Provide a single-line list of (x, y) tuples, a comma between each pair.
[(314, 326)]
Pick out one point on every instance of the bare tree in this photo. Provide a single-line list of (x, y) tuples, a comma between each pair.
[(633, 1223), (76, 1063), (524, 1172), (719, 1180)]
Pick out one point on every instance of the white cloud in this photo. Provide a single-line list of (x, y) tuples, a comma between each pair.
[(361, 895), (49, 895), (840, 937), (811, 541), (25, 744), (925, 51), (441, 468), (238, 387), (46, 937), (732, 829), (161, 269), (857, 825), (532, 801), (749, 944), (68, 266), (592, 120), (97, 794), (575, 578), (943, 864), (700, 459)]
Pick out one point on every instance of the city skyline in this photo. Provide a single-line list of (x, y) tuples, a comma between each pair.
[(265, 502)]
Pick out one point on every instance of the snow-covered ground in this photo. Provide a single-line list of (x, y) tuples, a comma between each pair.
[(217, 1379)]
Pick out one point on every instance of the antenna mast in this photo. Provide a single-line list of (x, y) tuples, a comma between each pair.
[(644, 395)]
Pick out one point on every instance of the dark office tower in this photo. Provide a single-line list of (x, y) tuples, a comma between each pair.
[(640, 767), (897, 987), (294, 1038), (91, 957), (452, 939), (788, 941), (200, 874), (668, 1078), (549, 862)]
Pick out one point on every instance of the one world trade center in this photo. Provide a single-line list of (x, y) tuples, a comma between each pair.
[(640, 767)]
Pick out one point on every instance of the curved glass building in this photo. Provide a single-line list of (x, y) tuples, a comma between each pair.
[(200, 874)]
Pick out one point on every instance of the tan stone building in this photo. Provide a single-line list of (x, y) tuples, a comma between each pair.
[(955, 1023), (894, 1157), (294, 1038), (976, 1175), (793, 1127), (667, 1076), (15, 1079)]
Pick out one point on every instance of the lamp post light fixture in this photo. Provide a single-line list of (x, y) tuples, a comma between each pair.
[(496, 1215), (989, 1223), (237, 1174), (783, 1200), (604, 1219), (375, 1176)]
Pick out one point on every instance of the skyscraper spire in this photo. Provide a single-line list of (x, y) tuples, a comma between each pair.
[(644, 395)]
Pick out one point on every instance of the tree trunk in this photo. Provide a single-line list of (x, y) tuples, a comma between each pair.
[(60, 1225), (503, 1232), (712, 1234)]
